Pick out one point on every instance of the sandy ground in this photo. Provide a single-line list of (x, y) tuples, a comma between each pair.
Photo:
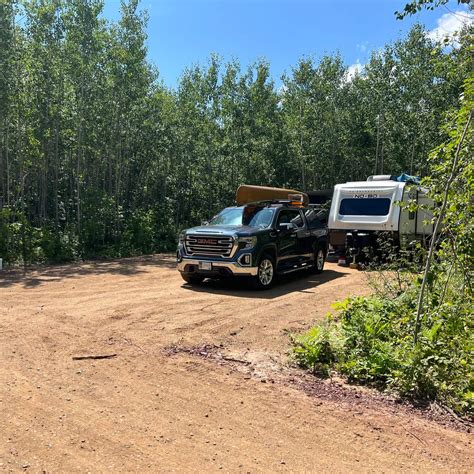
[(199, 382)]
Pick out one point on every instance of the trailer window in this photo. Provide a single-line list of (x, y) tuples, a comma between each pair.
[(364, 207)]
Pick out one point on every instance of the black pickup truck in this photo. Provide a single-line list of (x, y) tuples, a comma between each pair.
[(257, 240)]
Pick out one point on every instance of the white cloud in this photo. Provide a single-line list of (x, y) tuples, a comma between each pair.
[(362, 47), (353, 70), (449, 24)]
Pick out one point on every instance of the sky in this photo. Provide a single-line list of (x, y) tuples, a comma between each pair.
[(182, 33)]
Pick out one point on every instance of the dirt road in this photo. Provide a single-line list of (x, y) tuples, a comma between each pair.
[(199, 381)]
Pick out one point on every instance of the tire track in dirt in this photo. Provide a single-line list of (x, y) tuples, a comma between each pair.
[(145, 410)]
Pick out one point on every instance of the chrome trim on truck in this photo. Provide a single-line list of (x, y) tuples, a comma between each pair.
[(210, 245), (234, 267)]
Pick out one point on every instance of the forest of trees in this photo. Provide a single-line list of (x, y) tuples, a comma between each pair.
[(99, 158)]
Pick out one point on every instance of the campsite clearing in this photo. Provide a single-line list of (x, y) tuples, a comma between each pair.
[(119, 366)]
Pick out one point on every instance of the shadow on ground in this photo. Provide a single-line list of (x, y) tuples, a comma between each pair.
[(36, 276), (302, 282)]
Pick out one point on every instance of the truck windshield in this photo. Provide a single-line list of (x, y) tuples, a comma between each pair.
[(252, 216)]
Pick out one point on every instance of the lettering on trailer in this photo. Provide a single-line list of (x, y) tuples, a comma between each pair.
[(365, 195)]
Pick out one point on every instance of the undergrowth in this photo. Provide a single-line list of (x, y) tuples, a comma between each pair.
[(369, 340)]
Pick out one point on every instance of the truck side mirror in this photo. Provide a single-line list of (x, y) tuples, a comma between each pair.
[(204, 223), (287, 226)]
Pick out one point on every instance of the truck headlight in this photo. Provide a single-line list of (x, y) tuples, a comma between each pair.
[(181, 238), (247, 242)]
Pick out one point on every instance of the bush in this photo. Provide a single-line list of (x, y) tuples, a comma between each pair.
[(59, 245), (20, 242), (370, 340), (140, 232), (314, 349)]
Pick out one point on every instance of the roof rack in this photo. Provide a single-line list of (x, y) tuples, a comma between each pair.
[(269, 202)]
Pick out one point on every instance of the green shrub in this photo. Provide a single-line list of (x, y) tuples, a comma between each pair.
[(370, 340), (20, 242), (139, 235), (314, 349), (59, 245)]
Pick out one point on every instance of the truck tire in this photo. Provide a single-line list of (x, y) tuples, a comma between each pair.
[(265, 274), (319, 259), (192, 279)]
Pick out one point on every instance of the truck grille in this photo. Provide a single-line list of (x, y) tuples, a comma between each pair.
[(209, 245)]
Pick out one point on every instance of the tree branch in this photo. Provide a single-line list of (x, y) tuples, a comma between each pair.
[(436, 230)]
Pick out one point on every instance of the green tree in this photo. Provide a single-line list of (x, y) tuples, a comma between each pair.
[(101, 158)]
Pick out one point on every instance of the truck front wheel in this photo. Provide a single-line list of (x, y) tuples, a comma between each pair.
[(192, 279), (265, 273)]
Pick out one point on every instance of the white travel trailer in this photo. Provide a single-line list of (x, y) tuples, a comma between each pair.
[(363, 210)]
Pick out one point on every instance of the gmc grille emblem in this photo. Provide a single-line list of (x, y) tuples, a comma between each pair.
[(206, 241)]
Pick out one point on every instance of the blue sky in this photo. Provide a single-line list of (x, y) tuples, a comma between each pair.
[(186, 32)]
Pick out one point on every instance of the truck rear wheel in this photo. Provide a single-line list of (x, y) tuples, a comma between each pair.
[(192, 279), (265, 273), (319, 259)]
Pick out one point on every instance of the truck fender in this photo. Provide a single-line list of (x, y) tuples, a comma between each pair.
[(320, 241), (270, 249)]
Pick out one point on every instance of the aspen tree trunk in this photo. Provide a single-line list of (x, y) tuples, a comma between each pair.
[(381, 157), (56, 168), (2, 147), (412, 159), (377, 145)]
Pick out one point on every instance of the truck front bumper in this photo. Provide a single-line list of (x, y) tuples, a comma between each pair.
[(219, 268)]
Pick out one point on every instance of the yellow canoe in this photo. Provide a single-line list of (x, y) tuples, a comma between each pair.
[(248, 193)]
